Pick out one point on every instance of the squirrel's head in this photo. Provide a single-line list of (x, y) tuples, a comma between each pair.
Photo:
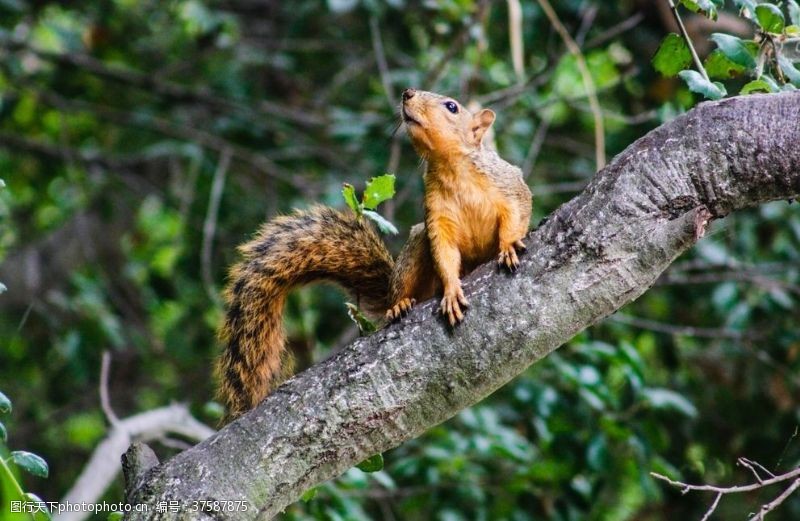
[(441, 127)]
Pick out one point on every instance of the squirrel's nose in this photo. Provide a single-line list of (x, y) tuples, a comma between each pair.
[(408, 94)]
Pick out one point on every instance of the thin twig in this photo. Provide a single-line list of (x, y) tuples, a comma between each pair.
[(210, 224), (754, 467), (786, 447), (728, 490), (105, 401), (670, 329), (515, 39), (589, 14), (380, 58), (685, 35), (435, 73), (772, 505), (588, 83), (744, 462), (535, 147), (713, 507), (615, 30)]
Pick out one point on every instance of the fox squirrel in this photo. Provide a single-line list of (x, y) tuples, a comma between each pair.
[(477, 206)]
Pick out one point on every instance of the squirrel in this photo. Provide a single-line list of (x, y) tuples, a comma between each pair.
[(477, 206)]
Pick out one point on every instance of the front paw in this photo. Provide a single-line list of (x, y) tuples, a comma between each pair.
[(508, 255), (451, 304), (400, 309)]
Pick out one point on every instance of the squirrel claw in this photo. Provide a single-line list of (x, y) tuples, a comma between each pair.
[(451, 305), (401, 309), (508, 258), (520, 246)]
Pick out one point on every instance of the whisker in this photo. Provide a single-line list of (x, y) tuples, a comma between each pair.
[(396, 128)]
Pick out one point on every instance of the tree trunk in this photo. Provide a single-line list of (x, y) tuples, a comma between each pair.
[(594, 255)]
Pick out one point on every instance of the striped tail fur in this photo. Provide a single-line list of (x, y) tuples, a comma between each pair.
[(290, 251)]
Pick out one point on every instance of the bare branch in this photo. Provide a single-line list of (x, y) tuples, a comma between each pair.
[(103, 466), (722, 491), (588, 83), (515, 38), (670, 329), (210, 225), (105, 402)]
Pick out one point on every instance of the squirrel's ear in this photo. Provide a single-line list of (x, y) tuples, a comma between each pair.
[(481, 122)]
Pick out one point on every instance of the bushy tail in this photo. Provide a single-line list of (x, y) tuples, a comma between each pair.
[(292, 250)]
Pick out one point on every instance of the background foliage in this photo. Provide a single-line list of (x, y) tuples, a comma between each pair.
[(142, 141)]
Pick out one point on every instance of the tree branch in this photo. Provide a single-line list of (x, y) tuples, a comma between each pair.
[(595, 254), (104, 466)]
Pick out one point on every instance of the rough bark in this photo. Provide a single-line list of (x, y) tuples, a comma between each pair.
[(594, 255)]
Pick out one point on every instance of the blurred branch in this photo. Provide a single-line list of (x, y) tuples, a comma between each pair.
[(105, 401), (515, 91), (700, 272), (588, 83), (166, 89), (534, 149), (615, 30), (457, 44), (128, 162), (167, 127), (210, 225), (515, 39), (670, 329), (380, 58), (793, 475), (103, 465)]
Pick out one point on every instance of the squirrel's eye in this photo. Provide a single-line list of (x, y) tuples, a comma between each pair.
[(452, 107)]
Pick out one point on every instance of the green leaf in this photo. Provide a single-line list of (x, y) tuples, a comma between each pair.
[(5, 403), (384, 225), (742, 52), (672, 56), (309, 494), (756, 86), (747, 7), (705, 7), (365, 325), (718, 66), (3, 433), (30, 462), (349, 194), (698, 84), (372, 464), (114, 516), (794, 12), (770, 18), (214, 410), (378, 190), (792, 31), (667, 399), (789, 70), (763, 84)]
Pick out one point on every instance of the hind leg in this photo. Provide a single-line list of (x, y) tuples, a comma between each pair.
[(413, 279)]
